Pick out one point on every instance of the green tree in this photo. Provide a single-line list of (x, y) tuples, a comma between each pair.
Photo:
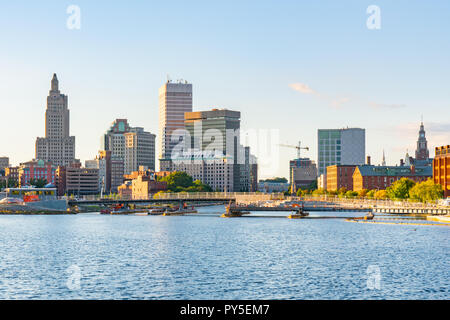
[(182, 182), (277, 180), (400, 189), (342, 191), (363, 193), (426, 191), (313, 185), (351, 194), (11, 184), (371, 194), (177, 180), (332, 192), (380, 194), (301, 192), (38, 183), (318, 192)]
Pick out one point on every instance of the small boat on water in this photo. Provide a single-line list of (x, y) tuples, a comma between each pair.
[(141, 213), (179, 212), (370, 216), (156, 211)]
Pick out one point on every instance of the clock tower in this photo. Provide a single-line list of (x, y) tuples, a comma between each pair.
[(422, 152)]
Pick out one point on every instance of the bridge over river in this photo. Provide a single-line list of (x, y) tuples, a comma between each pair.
[(237, 203)]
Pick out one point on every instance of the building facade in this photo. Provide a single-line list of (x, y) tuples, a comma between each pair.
[(58, 146), (175, 99), (75, 180), (139, 150), (441, 168), (144, 187), (270, 187), (340, 176), (371, 177), (103, 163), (340, 147), (322, 182), (4, 163), (211, 152), (35, 170), (303, 172), (12, 174), (134, 146)]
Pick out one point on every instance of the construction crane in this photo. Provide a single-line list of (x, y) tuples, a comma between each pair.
[(299, 148)]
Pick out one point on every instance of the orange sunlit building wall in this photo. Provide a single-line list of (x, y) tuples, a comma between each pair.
[(441, 168)]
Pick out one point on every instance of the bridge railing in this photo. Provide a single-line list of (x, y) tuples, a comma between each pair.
[(369, 203), (238, 196)]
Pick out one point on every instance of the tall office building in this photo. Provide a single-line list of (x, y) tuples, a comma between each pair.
[(114, 140), (174, 100), (134, 146), (139, 150), (213, 153), (57, 146), (340, 147)]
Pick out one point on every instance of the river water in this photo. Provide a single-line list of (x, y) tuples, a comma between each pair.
[(92, 256)]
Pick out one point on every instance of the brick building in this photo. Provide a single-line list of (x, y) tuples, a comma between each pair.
[(75, 180), (381, 177), (441, 168), (340, 176), (35, 170)]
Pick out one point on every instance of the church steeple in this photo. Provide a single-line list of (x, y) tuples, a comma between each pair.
[(55, 83), (422, 152), (383, 163)]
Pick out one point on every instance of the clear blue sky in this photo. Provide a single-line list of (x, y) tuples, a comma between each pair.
[(242, 55)]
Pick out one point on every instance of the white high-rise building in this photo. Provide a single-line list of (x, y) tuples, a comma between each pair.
[(175, 99), (57, 146), (340, 147)]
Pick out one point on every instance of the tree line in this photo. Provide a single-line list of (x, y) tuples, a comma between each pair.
[(403, 189)]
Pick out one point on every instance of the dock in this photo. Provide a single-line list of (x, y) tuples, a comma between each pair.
[(238, 211)]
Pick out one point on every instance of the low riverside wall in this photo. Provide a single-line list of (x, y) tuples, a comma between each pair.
[(47, 206), (53, 205)]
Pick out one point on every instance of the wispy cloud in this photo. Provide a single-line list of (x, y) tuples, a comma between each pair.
[(386, 106), (303, 88), (337, 103)]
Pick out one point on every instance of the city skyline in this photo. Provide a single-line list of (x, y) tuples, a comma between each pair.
[(346, 75)]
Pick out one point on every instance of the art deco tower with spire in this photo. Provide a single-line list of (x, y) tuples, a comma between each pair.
[(57, 146), (422, 152)]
